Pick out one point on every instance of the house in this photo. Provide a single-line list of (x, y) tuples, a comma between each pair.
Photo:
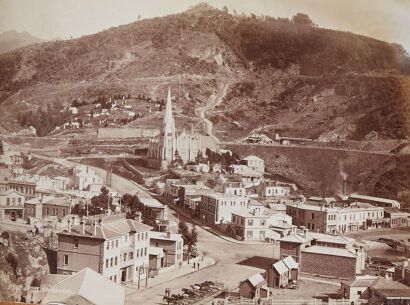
[(83, 176), (113, 246), (11, 205), (389, 292), (358, 288), (273, 189), (292, 266), (397, 217), (251, 287), (172, 246), (245, 174), (199, 168), (160, 210), (218, 208), (255, 163), (74, 110), (376, 201), (375, 290), (277, 275), (250, 225), (86, 287)]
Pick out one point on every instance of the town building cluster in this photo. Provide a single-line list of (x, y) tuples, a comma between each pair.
[(236, 199)]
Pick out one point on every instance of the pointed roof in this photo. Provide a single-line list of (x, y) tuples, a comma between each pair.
[(256, 279), (169, 123), (89, 285)]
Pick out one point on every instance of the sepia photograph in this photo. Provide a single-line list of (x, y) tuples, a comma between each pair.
[(205, 152)]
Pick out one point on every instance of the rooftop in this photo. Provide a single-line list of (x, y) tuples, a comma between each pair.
[(151, 202), (89, 285), (280, 267), (165, 236), (370, 198), (256, 279), (329, 251)]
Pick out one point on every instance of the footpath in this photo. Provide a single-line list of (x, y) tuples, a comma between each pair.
[(197, 222), (203, 261)]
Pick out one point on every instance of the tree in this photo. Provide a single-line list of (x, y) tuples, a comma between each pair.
[(101, 203), (302, 19), (190, 238)]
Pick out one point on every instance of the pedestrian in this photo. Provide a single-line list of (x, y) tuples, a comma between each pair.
[(198, 265), (194, 265)]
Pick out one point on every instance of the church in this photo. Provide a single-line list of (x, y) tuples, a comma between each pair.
[(170, 145)]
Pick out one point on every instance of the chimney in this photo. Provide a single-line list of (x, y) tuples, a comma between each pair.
[(305, 232), (94, 228), (69, 226), (82, 225)]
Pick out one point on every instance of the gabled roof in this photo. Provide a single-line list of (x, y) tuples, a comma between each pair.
[(256, 279), (290, 263), (391, 289), (280, 267), (89, 285)]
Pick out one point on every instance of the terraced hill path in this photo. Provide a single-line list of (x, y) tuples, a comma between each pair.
[(216, 99)]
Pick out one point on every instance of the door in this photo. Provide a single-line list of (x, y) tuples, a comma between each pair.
[(123, 275)]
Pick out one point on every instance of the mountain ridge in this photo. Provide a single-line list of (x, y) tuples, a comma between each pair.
[(282, 72)]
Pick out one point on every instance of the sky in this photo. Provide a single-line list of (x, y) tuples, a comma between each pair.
[(387, 20)]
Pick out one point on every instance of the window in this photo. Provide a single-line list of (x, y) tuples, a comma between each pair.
[(108, 245), (263, 222), (146, 235), (116, 243), (131, 255), (19, 200), (8, 201), (65, 262), (106, 263), (138, 237), (63, 212), (250, 222), (111, 262), (112, 244), (138, 252), (359, 292), (116, 261), (115, 278), (249, 234), (313, 215), (110, 278), (313, 226), (125, 257), (145, 251), (75, 243)]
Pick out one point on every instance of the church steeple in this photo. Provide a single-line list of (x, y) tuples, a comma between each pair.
[(168, 131)]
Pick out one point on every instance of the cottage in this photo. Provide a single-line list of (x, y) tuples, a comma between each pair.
[(277, 275), (251, 287)]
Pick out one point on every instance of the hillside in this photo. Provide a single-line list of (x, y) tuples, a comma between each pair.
[(12, 40), (289, 75)]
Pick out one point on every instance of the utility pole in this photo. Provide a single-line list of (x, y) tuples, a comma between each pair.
[(139, 277)]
